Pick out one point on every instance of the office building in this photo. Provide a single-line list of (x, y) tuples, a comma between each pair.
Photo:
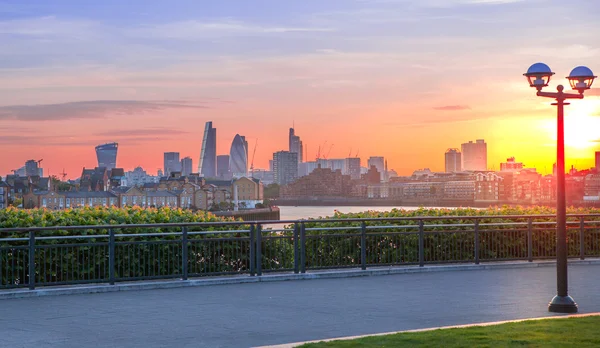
[(453, 161), (295, 144), (474, 155), (238, 157), (511, 165), (186, 166), (285, 167), (379, 163), (107, 155), (171, 163), (352, 167), (32, 168), (207, 166), (223, 171)]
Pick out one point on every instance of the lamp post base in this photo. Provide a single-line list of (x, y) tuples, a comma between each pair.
[(562, 304)]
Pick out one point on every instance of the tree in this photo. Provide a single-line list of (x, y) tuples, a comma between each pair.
[(271, 191), (58, 185), (15, 202)]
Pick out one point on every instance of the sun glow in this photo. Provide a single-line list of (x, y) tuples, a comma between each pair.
[(582, 125)]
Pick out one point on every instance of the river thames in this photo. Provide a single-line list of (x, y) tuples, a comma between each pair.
[(306, 212)]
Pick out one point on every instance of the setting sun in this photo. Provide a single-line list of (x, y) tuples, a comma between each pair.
[(582, 126)]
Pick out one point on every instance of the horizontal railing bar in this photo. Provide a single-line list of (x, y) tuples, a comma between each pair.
[(270, 222), (333, 228), (217, 232), (377, 227), (73, 237), (314, 236), (50, 246), (13, 239), (159, 234)]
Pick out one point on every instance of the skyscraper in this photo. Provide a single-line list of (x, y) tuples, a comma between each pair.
[(352, 167), (107, 155), (285, 167), (295, 144), (186, 166), (238, 156), (32, 169), (171, 163), (207, 166), (223, 171), (598, 161), (453, 161), (474, 155), (379, 163)]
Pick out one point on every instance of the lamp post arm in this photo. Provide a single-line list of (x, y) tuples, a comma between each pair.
[(552, 95), (572, 96)]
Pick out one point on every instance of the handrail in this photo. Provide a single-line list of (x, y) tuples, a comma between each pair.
[(271, 222)]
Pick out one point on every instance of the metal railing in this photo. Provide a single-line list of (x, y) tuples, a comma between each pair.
[(61, 255)]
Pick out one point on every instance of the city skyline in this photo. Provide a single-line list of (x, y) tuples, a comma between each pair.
[(333, 68)]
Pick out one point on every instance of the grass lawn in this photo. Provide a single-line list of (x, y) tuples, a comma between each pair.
[(570, 332)]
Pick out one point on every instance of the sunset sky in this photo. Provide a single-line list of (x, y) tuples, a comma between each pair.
[(394, 78)]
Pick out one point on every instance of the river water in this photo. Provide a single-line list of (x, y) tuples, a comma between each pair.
[(296, 213)]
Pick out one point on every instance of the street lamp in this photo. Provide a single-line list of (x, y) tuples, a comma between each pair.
[(580, 79)]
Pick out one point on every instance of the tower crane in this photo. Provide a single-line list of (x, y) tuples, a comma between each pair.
[(328, 151), (64, 175), (252, 162)]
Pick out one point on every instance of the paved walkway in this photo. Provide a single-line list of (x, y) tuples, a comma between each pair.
[(245, 315)]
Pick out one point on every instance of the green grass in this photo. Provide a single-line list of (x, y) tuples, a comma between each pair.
[(571, 332)]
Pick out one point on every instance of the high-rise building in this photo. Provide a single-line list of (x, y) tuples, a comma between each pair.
[(379, 163), (107, 155), (285, 167), (453, 161), (295, 144), (238, 157), (186, 166), (223, 171), (598, 161), (171, 163), (474, 155), (352, 167), (207, 166), (32, 169), (511, 165)]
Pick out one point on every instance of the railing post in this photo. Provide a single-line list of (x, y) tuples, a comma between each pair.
[(363, 245), (296, 251), (530, 240), (111, 256), (31, 260), (421, 244), (184, 252), (302, 248), (582, 238), (258, 249), (252, 251), (476, 229)]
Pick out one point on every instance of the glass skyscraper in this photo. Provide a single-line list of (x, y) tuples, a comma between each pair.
[(207, 165), (107, 155), (186, 166), (171, 163), (238, 156), (223, 167), (295, 144)]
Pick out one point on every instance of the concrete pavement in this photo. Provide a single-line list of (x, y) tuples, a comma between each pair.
[(268, 313)]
